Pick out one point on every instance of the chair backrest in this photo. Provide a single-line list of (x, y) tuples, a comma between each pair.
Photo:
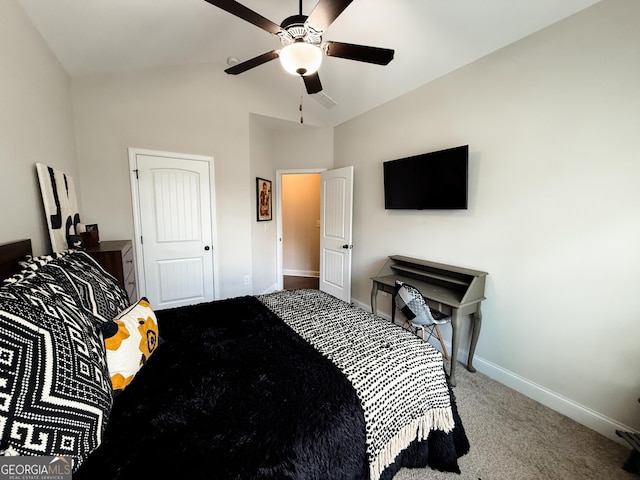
[(411, 304)]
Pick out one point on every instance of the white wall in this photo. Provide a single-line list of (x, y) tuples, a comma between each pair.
[(35, 126), (196, 110), (286, 146), (553, 126), (263, 234), (303, 147)]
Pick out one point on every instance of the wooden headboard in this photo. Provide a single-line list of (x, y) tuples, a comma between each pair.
[(10, 254)]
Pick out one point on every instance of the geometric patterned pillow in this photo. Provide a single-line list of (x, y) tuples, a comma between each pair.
[(33, 263), (55, 393), (98, 292), (16, 277), (130, 340), (30, 264)]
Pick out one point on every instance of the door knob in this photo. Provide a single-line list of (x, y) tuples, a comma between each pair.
[(206, 247)]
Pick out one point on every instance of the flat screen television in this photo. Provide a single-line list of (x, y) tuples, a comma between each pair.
[(430, 181)]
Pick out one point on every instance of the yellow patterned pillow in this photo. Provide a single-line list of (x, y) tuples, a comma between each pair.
[(130, 340)]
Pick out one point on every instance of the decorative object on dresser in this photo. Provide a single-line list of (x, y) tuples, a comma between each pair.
[(453, 291), (60, 207), (90, 236), (116, 257)]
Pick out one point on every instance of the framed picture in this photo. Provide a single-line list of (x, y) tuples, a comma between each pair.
[(90, 236), (263, 199)]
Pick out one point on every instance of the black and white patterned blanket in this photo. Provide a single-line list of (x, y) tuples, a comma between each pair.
[(399, 379), (55, 392)]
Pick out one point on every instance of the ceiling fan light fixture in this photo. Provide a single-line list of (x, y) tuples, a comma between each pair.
[(301, 58)]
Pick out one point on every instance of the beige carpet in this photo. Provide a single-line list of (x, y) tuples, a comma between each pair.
[(515, 438)]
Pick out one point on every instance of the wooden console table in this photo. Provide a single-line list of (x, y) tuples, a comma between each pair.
[(454, 291)]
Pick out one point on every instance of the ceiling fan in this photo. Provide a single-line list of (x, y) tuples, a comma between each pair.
[(301, 37)]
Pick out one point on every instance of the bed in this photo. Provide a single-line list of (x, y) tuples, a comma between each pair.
[(290, 385)]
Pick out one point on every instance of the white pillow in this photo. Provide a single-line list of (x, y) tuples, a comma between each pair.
[(130, 340)]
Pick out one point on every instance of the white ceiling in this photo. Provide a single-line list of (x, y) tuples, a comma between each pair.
[(430, 39)]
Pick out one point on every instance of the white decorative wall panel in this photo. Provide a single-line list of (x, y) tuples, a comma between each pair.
[(177, 206), (189, 271), (334, 198), (334, 267)]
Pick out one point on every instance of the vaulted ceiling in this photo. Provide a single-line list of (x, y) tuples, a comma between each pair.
[(430, 37)]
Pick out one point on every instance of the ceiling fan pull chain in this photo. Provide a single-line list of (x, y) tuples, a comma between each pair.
[(301, 119)]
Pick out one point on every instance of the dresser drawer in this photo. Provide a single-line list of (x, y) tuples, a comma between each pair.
[(127, 264), (116, 257), (130, 285)]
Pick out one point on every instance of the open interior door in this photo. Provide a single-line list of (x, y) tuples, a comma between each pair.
[(336, 217)]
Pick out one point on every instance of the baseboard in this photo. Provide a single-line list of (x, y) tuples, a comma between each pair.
[(584, 415), (581, 414), (271, 289), (301, 273)]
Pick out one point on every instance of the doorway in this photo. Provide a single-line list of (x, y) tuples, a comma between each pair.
[(300, 208), (336, 230), (280, 179)]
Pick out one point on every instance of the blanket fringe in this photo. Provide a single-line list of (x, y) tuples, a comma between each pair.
[(418, 429)]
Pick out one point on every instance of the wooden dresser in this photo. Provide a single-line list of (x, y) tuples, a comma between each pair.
[(116, 257)]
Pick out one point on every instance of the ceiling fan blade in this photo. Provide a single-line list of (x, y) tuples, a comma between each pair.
[(251, 63), (247, 14), (325, 12), (312, 83), (360, 53)]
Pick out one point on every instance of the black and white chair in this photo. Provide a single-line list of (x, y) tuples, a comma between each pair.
[(417, 315)]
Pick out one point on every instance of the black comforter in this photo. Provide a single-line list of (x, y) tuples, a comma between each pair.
[(234, 393)]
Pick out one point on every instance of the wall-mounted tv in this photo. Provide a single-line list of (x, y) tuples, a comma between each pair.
[(430, 181)]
